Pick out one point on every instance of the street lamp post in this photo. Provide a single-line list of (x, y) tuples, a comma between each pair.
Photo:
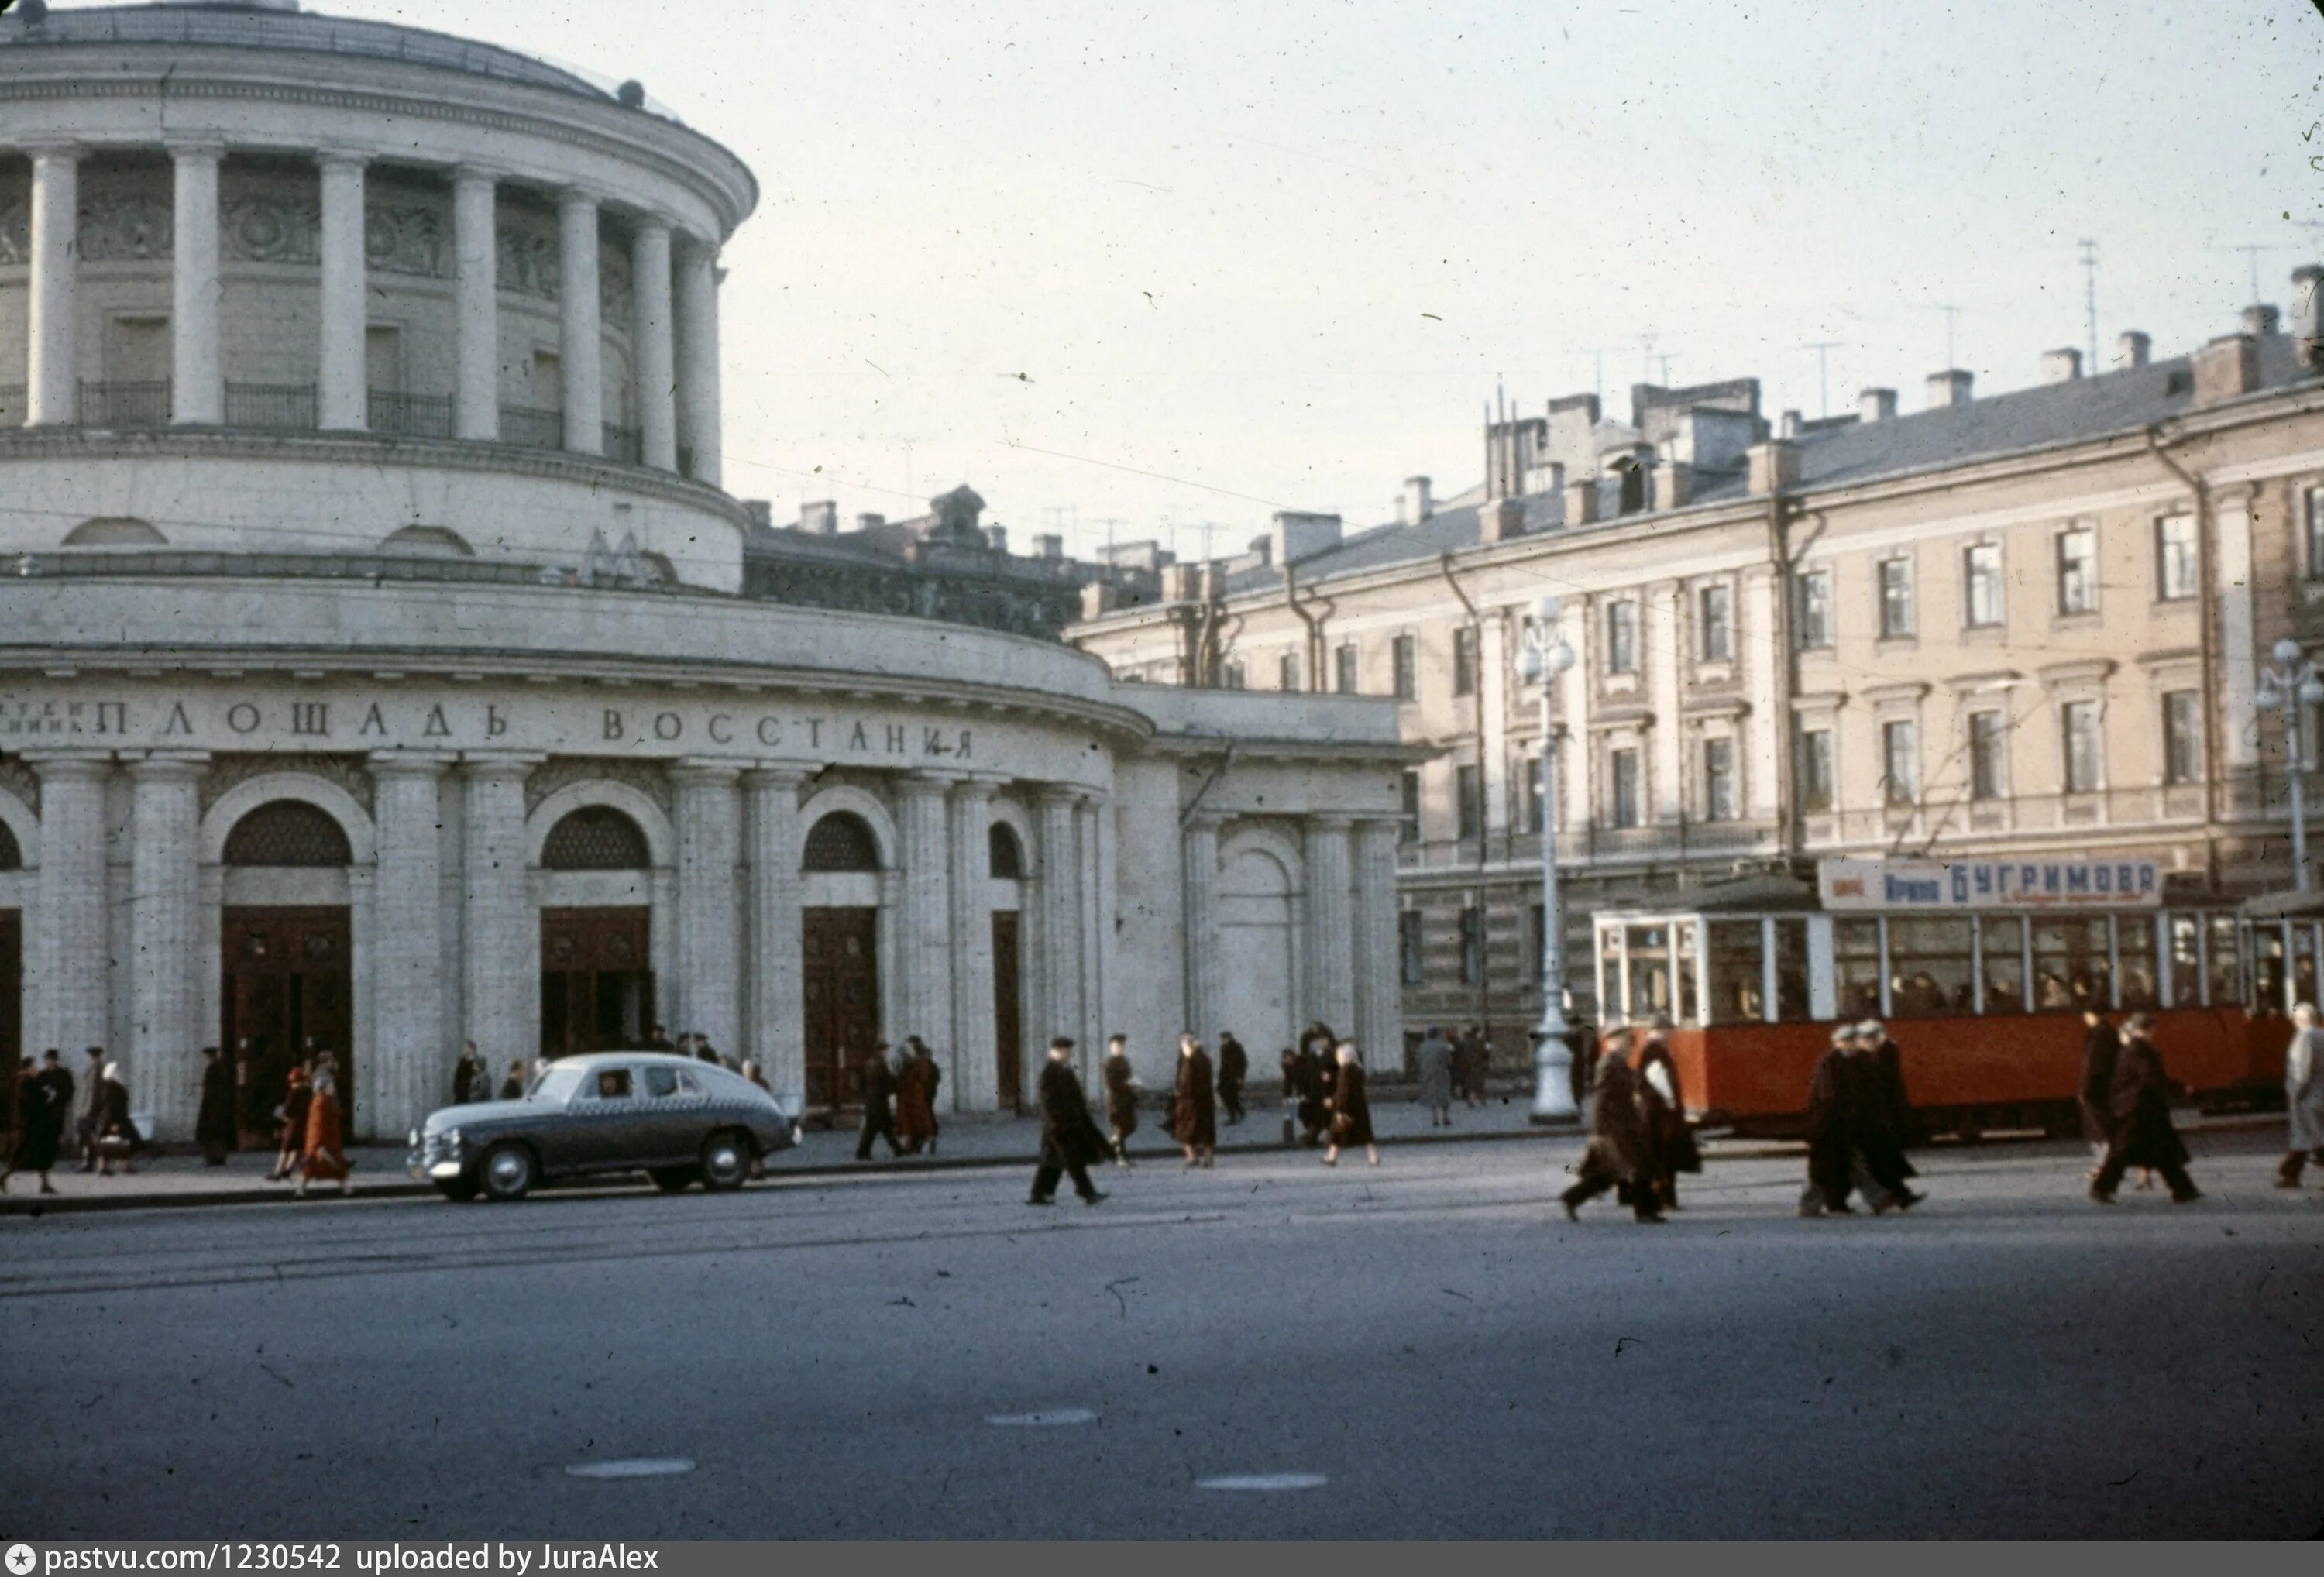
[(2291, 687), (1543, 656)]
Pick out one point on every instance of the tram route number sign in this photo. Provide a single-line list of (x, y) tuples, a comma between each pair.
[(1988, 884)]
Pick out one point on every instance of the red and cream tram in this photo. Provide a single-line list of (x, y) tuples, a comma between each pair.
[(1981, 969)]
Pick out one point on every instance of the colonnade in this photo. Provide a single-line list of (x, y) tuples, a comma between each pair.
[(674, 321)]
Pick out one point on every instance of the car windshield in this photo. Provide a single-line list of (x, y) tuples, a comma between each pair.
[(556, 1086)]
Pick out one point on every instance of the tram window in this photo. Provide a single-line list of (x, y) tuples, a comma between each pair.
[(1792, 971), (1650, 970), (2266, 968), (1856, 967), (2186, 960), (1929, 972), (2134, 951), (2070, 965), (1737, 965), (2003, 943), (1690, 970), (1610, 974), (2227, 984), (2303, 963)]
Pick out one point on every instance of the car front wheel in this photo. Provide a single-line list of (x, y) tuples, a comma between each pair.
[(726, 1160), (507, 1172)]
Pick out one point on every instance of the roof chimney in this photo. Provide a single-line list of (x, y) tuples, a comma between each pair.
[(819, 518), (2260, 320), (1419, 505), (1950, 387), (2308, 312), (1789, 427), (2134, 349), (1581, 502), (762, 513), (1500, 520), (1877, 405), (1100, 598), (996, 539), (1774, 465), (2061, 366), (864, 522), (1673, 484), (2226, 367), (1047, 546)]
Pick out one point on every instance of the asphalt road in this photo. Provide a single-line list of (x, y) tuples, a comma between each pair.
[(1432, 1339)]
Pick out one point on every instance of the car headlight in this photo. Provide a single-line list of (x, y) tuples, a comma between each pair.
[(451, 1140), (414, 1140)]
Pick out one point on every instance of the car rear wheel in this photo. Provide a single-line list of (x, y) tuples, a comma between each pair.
[(726, 1157), (458, 1190), (507, 1172), (672, 1179)]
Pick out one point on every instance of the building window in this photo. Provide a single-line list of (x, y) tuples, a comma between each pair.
[(1815, 599), (1536, 936), (2079, 723), (1981, 584), (1815, 769), (1464, 659), (1899, 761), (2077, 570), (1716, 605), (2316, 533), (1621, 637), (841, 841), (1408, 946), (2174, 557), (1622, 787), (1408, 829), (1533, 794), (595, 837), (1234, 678), (292, 832), (2182, 736), (1988, 771), (1343, 676), (1287, 671), (1407, 668), (1468, 792), (1895, 598), (1472, 945), (1718, 780)]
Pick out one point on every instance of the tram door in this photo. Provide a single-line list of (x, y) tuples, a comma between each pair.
[(840, 951), (287, 988), (1007, 1009), (596, 985)]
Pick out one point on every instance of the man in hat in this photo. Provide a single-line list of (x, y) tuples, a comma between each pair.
[(1619, 1156), (1070, 1139), (2139, 1132), (1884, 1122), (876, 1082), (1668, 1135)]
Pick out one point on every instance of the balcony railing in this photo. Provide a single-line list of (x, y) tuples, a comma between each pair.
[(271, 407), (398, 414), (530, 428), (624, 445), (143, 403)]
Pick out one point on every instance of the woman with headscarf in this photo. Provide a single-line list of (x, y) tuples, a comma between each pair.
[(2303, 1095), (1194, 1115), (117, 1134), (1121, 1097), (214, 1118), (290, 1125), (324, 1158), (915, 1098), (1352, 1112)]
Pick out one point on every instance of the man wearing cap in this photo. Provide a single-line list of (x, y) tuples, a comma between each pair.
[(1619, 1156), (2138, 1110), (1070, 1140)]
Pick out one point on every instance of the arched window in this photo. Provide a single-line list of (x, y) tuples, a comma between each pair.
[(287, 831), (841, 842), (11, 858), (595, 837), (1008, 856)]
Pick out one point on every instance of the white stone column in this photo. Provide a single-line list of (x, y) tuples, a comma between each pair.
[(165, 985), (476, 239), (1059, 1008), (652, 355), (502, 934), (1379, 990), (342, 399), (1198, 848), (975, 1071), (695, 291), (197, 378), (68, 930), (581, 340), (1331, 923), (775, 974), (412, 1055), (51, 371), (923, 918), (1089, 834), (708, 994)]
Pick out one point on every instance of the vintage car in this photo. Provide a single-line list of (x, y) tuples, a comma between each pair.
[(677, 1120)]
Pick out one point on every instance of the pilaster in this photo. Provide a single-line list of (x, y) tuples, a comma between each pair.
[(476, 396), (165, 995), (1331, 922), (342, 399), (1379, 991), (196, 382), (51, 371), (653, 353), (1198, 848), (411, 1054), (580, 345), (70, 949), (776, 975), (975, 1071), (501, 933), (708, 995)]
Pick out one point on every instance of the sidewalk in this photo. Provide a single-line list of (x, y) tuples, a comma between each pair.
[(969, 1140)]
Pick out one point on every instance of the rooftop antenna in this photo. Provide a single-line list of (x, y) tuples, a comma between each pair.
[(1646, 353), (2251, 251), (2091, 295), (1665, 358), (1823, 349), (1109, 522), (1953, 316)]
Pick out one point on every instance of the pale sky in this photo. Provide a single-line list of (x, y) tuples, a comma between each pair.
[(1193, 262)]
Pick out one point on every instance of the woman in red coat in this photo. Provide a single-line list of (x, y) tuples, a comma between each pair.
[(1352, 1110), (325, 1156), (1194, 1116), (915, 1098)]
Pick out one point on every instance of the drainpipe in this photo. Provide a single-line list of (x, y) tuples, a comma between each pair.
[(2207, 572), (1477, 709), (1315, 623), (1787, 559)]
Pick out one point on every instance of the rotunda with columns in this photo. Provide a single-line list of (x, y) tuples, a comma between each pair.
[(376, 667)]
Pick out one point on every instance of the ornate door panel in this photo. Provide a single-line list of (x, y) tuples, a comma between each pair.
[(597, 981), (1008, 1009), (840, 949), (287, 993)]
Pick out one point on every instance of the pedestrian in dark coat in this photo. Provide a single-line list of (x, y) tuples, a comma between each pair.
[(1352, 1109), (1234, 1067), (1669, 1136), (43, 1102), (1432, 1061), (469, 1080), (1315, 1076), (92, 1111), (916, 1099), (214, 1117), (2139, 1132), (1904, 1123), (1879, 1118), (1618, 1155), (1831, 1145), (1193, 1119), (2303, 1096), (1583, 1071), (2100, 1047), (290, 1119), (1468, 1068), (1121, 1097), (876, 1082), (1070, 1139), (512, 1082)]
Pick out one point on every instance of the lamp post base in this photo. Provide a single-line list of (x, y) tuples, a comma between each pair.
[(1552, 1078)]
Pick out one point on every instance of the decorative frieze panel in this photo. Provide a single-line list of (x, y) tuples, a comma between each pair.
[(564, 771), (407, 235), (124, 214), (615, 297), (229, 772), (528, 253), (268, 217)]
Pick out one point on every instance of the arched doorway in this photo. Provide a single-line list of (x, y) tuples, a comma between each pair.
[(1258, 948), (1005, 863), (286, 949), (839, 948), (596, 973)]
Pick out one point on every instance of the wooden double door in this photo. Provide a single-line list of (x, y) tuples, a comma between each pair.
[(289, 993), (596, 980), (839, 952)]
